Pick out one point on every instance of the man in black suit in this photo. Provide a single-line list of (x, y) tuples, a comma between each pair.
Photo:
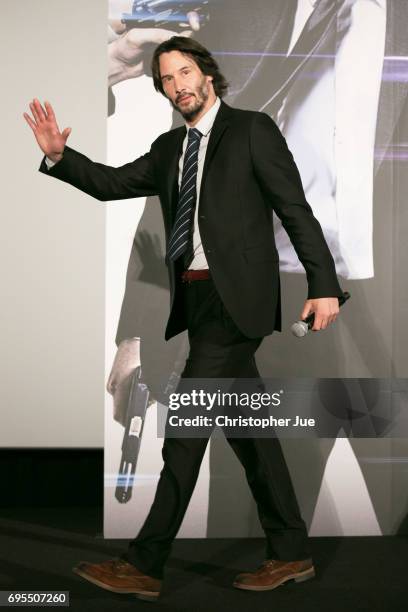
[(233, 169)]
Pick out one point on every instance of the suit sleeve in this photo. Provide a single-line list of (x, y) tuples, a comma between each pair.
[(281, 184), (135, 179)]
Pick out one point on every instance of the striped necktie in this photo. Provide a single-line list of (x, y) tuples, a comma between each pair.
[(181, 239)]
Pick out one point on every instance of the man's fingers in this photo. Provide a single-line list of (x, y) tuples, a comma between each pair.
[(111, 385), (316, 324), (194, 20), (332, 317), (117, 26), (325, 312), (323, 322), (30, 122), (186, 33), (35, 113), (39, 109), (50, 111), (66, 133)]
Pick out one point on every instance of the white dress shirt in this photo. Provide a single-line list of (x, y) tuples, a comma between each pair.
[(330, 129), (204, 126)]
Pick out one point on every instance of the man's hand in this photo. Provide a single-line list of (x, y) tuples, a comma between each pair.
[(46, 131), (130, 54), (117, 8), (325, 310), (127, 359)]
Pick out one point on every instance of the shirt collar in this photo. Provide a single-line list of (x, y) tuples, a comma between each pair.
[(206, 122)]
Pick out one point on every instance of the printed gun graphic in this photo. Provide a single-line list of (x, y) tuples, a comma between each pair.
[(135, 416)]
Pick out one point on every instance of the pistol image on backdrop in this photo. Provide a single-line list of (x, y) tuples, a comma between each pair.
[(135, 417), (168, 14)]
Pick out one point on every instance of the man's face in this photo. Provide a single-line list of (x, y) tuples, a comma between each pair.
[(188, 89)]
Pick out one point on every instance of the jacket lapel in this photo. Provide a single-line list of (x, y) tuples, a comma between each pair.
[(219, 126)]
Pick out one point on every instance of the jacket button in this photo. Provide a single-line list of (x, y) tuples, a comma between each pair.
[(202, 216)]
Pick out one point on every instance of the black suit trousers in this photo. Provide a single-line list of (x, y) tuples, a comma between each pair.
[(218, 349)]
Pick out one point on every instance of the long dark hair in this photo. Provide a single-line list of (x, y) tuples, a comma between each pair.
[(199, 54)]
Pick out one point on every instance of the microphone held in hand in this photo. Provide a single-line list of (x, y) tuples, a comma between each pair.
[(300, 328)]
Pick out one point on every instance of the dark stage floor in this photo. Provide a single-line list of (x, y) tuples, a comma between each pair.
[(40, 545)]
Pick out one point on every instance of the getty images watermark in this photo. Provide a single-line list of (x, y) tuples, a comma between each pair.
[(288, 408), (214, 401)]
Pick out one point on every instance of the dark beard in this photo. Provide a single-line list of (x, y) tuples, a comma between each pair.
[(191, 114)]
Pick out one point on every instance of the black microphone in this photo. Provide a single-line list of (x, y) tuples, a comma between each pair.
[(300, 328)]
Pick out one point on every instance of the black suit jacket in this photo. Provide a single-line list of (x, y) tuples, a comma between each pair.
[(248, 173)]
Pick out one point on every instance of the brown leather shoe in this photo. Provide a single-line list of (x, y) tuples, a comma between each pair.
[(273, 572), (119, 576)]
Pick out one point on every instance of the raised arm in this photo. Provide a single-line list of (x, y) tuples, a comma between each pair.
[(101, 181)]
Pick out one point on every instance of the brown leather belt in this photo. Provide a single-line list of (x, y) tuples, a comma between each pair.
[(193, 275)]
